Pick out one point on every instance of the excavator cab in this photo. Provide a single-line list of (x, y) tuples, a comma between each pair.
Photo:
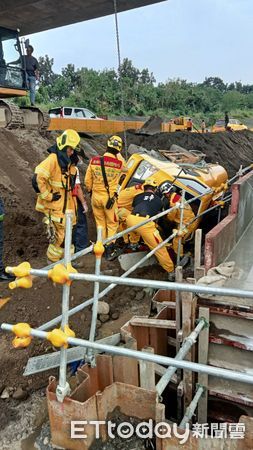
[(12, 70), (13, 84)]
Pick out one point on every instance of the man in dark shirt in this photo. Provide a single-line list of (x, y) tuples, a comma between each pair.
[(226, 120), (32, 72), (3, 275), (148, 204)]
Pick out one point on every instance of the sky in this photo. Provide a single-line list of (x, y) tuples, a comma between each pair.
[(186, 39)]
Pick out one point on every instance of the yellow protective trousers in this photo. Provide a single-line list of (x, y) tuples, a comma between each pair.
[(106, 218), (132, 237), (175, 243), (152, 238), (55, 251)]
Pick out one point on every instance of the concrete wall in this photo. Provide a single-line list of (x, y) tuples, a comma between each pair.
[(221, 239)]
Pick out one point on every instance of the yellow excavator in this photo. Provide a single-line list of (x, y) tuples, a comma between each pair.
[(13, 84)]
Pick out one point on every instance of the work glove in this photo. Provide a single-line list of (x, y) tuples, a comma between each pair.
[(56, 196), (50, 230), (85, 207)]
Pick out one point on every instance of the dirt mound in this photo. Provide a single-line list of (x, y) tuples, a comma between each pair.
[(20, 152), (228, 149)]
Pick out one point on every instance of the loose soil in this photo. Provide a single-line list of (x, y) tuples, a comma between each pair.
[(20, 152), (230, 149)]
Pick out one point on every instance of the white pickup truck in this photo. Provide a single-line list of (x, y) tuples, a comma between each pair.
[(68, 112)]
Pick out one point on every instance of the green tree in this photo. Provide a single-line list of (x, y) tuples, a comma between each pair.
[(47, 76)]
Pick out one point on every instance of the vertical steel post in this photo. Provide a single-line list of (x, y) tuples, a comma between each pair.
[(98, 250), (63, 388), (181, 207)]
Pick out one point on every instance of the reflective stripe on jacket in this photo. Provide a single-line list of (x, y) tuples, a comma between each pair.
[(50, 179), (94, 179)]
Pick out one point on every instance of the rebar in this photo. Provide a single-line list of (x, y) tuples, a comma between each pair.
[(187, 344)]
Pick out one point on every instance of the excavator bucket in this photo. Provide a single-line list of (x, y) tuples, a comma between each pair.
[(151, 126)]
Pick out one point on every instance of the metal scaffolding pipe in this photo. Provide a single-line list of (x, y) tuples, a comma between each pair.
[(188, 343), (145, 356), (95, 297), (191, 408), (63, 387), (109, 288), (128, 230), (166, 285)]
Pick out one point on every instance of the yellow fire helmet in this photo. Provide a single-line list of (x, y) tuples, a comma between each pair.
[(150, 182), (115, 142), (69, 138)]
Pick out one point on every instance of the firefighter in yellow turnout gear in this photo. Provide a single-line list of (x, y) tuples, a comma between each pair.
[(101, 180), (148, 204), (55, 179), (125, 201), (171, 199)]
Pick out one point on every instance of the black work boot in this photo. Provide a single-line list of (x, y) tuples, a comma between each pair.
[(171, 276), (112, 252), (6, 277), (185, 260)]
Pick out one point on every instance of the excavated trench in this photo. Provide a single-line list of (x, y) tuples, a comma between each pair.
[(20, 152)]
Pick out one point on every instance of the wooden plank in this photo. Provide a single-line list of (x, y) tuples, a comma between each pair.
[(155, 323), (179, 274), (147, 372), (193, 324), (197, 249), (125, 370), (203, 346), (187, 300), (199, 272)]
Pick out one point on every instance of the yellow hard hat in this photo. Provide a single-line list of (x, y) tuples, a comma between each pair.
[(69, 138), (150, 182), (115, 142)]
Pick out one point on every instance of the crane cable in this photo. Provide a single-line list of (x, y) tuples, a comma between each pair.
[(119, 71)]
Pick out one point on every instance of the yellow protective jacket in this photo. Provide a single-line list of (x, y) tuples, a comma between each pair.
[(174, 216), (126, 196), (50, 179), (94, 179), (124, 164)]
